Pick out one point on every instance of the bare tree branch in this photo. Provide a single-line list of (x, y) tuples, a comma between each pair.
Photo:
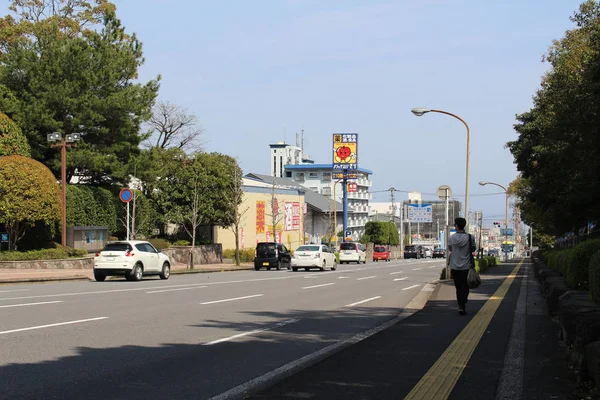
[(172, 126)]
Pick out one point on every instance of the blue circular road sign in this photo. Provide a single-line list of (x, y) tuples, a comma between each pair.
[(126, 195)]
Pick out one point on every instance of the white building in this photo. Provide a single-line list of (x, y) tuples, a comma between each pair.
[(283, 154), (318, 178)]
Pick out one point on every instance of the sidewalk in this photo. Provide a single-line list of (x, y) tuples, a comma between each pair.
[(437, 354), (45, 275)]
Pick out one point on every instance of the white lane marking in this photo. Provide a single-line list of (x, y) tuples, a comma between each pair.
[(52, 325), (316, 286), (434, 266), (343, 277), (31, 304), (400, 279), (311, 276), (239, 335), (366, 277), (411, 287), (232, 299), (15, 290), (176, 289), (396, 273), (416, 269), (363, 301), (182, 285)]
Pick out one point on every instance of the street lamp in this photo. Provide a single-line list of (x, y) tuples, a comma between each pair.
[(483, 183), (56, 139), (419, 112)]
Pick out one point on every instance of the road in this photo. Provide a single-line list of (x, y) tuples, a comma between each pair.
[(193, 336)]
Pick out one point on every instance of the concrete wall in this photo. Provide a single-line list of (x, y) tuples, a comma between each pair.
[(73, 263), (205, 254)]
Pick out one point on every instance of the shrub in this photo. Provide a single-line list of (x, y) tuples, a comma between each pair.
[(481, 264), (578, 273), (594, 278), (491, 261), (58, 253), (12, 140), (181, 242), (160, 243), (246, 255)]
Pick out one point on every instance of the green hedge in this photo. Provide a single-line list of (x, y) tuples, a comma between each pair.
[(181, 242), (578, 274), (160, 243), (91, 206), (44, 254), (246, 255), (594, 277)]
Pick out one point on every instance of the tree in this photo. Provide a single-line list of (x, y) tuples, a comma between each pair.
[(12, 140), (276, 216), (91, 206), (379, 232), (235, 197), (558, 148), (66, 78), (29, 194), (173, 126)]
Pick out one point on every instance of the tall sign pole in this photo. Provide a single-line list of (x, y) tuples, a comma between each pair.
[(126, 195), (345, 161), (444, 193)]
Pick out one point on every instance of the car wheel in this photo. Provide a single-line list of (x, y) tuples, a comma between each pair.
[(294, 269), (99, 276), (256, 268), (268, 268), (324, 266), (307, 269), (365, 260), (166, 271), (334, 266), (137, 272), (278, 266)]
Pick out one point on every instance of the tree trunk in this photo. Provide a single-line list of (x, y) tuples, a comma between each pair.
[(237, 246)]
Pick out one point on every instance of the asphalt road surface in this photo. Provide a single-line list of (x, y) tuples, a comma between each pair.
[(192, 336)]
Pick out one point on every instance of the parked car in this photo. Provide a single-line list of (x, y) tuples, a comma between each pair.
[(352, 252), (313, 256), (381, 253), (272, 255), (132, 259), (413, 251), (428, 253), (439, 253)]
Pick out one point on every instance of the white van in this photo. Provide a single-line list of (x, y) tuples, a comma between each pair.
[(352, 252)]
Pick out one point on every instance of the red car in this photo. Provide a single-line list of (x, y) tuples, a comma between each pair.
[(381, 253)]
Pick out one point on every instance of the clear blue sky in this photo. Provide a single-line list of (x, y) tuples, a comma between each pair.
[(257, 72)]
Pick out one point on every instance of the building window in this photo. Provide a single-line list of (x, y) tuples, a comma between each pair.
[(314, 189), (299, 176), (288, 174), (326, 176), (281, 167), (313, 174), (274, 165), (326, 191)]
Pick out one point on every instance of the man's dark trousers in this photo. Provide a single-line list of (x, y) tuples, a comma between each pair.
[(462, 286)]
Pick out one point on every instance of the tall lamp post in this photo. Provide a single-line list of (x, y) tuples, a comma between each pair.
[(506, 214), (56, 139), (419, 112)]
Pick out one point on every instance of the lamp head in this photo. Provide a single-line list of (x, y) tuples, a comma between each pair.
[(482, 183), (419, 112)]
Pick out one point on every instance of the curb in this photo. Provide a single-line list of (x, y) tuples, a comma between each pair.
[(199, 271), (269, 379)]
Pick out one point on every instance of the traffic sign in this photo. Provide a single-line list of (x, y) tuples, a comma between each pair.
[(126, 195), (348, 233), (352, 187), (444, 192), (4, 237), (420, 212)]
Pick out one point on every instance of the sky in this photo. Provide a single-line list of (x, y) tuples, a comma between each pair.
[(257, 72)]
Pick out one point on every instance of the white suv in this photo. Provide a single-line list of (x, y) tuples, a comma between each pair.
[(352, 252), (132, 259)]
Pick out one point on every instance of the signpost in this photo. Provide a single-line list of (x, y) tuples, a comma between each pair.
[(3, 238), (126, 195), (345, 161), (420, 213), (444, 192), (352, 187)]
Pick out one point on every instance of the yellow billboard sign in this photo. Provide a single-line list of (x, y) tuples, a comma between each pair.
[(345, 151)]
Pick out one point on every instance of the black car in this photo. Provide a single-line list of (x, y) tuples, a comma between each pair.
[(439, 253), (272, 255), (413, 251)]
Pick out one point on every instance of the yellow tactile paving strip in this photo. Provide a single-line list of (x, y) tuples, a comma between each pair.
[(439, 381)]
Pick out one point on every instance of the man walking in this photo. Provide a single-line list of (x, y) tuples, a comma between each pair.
[(461, 246)]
